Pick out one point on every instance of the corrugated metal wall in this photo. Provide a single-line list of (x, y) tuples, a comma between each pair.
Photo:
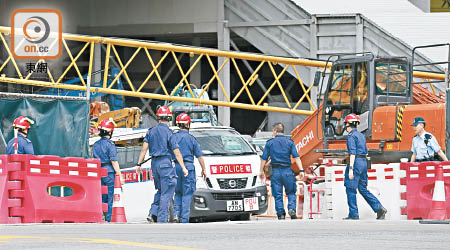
[(283, 28)]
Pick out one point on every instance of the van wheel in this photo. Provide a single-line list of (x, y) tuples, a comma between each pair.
[(241, 217), (196, 220), (245, 216)]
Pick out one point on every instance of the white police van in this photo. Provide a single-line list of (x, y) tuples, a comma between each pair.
[(232, 189)]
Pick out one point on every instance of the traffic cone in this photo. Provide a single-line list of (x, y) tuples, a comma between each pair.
[(438, 211), (118, 210)]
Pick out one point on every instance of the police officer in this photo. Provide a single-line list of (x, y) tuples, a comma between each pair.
[(105, 150), (280, 148), (159, 143), (20, 142), (186, 185), (424, 144), (356, 171)]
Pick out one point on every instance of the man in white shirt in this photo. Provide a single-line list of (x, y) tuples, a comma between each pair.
[(424, 144)]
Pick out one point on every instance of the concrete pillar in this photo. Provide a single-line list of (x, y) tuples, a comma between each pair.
[(223, 43), (195, 77), (313, 54), (359, 34)]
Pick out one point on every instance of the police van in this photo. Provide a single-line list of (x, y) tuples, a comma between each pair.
[(232, 189)]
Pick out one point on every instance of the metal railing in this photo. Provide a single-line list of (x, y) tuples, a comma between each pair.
[(435, 64)]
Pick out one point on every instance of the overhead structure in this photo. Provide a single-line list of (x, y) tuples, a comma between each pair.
[(245, 98), (283, 27), (280, 28), (242, 99)]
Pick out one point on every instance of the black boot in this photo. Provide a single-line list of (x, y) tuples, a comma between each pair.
[(292, 214), (176, 219), (381, 213), (281, 217), (350, 218), (151, 218)]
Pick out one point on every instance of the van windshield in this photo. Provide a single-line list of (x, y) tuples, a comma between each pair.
[(222, 142)]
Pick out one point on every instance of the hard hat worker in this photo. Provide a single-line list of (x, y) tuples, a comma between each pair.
[(159, 143), (20, 144), (185, 188), (105, 150), (280, 149), (356, 171), (424, 145)]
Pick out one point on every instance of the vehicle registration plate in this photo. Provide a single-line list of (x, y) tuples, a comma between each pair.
[(234, 205), (251, 204)]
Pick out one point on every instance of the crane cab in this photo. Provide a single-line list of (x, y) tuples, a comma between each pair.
[(359, 85), (382, 92)]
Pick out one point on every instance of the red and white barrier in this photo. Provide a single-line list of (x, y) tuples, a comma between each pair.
[(28, 180), (4, 190), (383, 182), (388, 178), (417, 187), (137, 193)]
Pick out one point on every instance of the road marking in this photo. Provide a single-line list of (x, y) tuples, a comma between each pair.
[(6, 238)]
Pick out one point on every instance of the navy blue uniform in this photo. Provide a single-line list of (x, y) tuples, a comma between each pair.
[(356, 145), (280, 150), (160, 146), (185, 185), (24, 146), (105, 150)]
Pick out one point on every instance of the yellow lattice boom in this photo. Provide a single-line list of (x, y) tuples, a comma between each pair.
[(137, 89)]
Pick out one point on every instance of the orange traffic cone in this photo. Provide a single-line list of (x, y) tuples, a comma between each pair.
[(438, 211), (118, 210)]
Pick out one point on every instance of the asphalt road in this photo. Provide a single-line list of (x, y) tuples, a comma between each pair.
[(254, 234)]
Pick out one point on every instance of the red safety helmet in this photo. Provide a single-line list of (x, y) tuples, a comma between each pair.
[(352, 118), (164, 112), (107, 124), (183, 119), (22, 122)]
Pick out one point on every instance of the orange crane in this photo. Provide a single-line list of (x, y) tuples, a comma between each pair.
[(124, 118), (381, 90)]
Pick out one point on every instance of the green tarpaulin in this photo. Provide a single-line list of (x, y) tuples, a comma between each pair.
[(61, 126)]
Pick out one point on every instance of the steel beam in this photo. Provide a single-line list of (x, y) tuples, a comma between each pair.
[(195, 76), (156, 96), (168, 73), (249, 67), (252, 24)]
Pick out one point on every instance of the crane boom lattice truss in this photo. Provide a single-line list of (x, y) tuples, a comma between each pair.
[(170, 52)]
